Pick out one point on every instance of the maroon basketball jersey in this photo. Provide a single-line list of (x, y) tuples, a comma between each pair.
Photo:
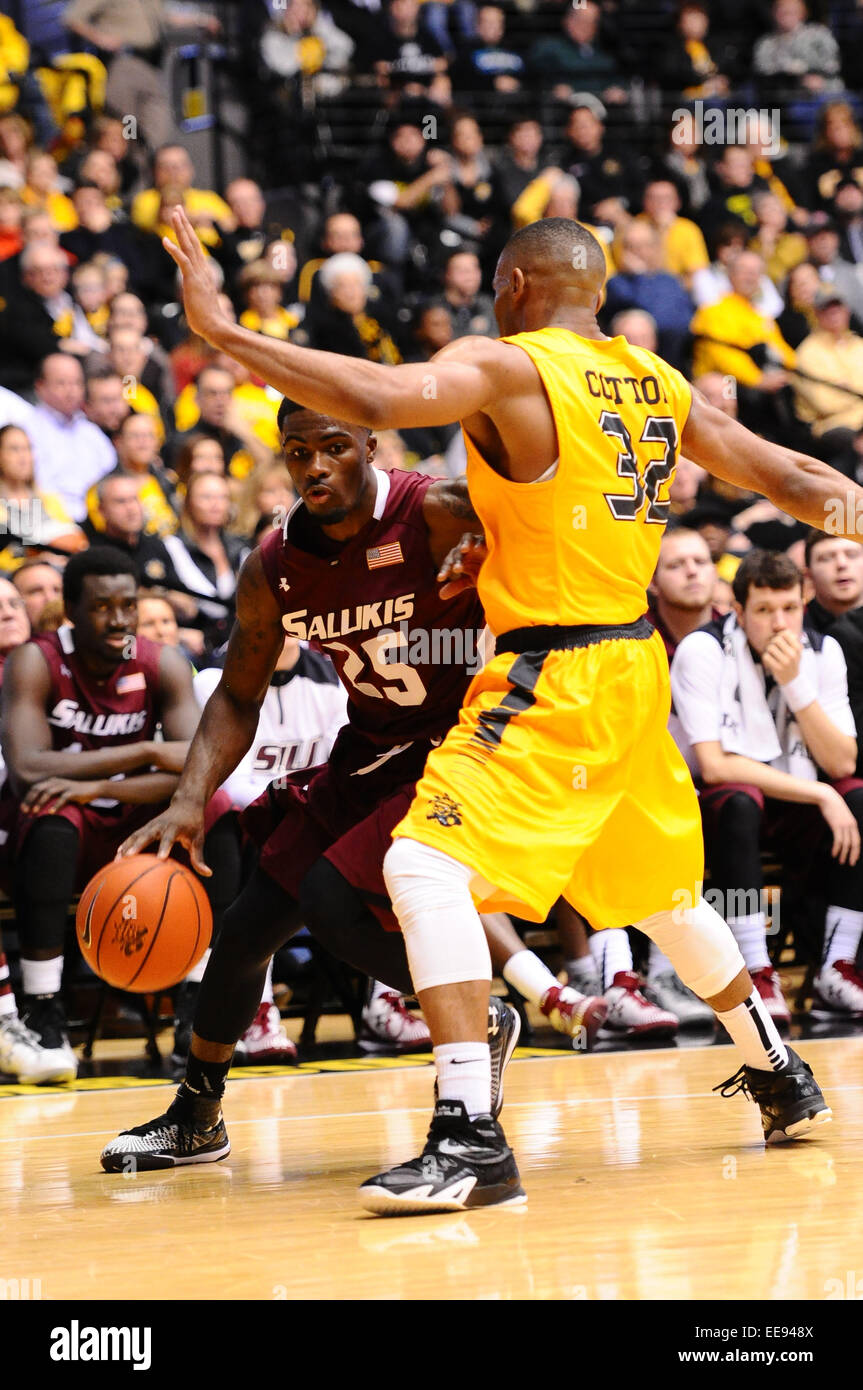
[(85, 713), (404, 655)]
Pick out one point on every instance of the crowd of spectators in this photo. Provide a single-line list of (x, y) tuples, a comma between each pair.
[(715, 150)]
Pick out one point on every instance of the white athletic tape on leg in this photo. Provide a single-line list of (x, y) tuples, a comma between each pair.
[(431, 897), (699, 945)]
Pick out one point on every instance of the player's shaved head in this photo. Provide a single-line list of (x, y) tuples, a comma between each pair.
[(560, 249), (546, 270)]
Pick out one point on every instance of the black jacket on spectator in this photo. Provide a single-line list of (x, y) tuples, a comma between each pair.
[(217, 614), (848, 632), (26, 336), (152, 561)]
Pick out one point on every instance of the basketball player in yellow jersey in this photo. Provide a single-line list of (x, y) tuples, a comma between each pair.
[(560, 776)]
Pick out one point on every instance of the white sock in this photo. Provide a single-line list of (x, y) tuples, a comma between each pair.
[(611, 952), (580, 971), (659, 962), (750, 1026), (196, 974), (41, 976), (526, 973), (750, 933), (267, 995), (464, 1073), (842, 930)]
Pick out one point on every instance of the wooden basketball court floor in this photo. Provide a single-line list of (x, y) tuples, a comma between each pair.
[(642, 1184)]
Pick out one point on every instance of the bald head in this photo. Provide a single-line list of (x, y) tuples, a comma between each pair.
[(546, 267)]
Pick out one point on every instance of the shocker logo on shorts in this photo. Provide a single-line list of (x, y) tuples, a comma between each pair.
[(445, 811)]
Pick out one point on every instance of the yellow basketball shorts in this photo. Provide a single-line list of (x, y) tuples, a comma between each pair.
[(561, 778)]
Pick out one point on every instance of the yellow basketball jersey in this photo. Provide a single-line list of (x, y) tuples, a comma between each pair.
[(581, 545)]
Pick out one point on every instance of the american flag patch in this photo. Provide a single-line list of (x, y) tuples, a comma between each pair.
[(126, 684), (381, 555)]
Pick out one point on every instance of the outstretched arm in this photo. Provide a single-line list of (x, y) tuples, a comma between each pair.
[(804, 487), (459, 382)]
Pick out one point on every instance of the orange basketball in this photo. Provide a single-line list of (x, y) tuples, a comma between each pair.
[(143, 922)]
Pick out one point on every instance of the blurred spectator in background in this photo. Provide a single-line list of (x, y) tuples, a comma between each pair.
[(342, 323), (726, 331), (131, 38), (217, 417), (712, 283), (834, 568), (606, 175), (198, 453), (798, 318), (39, 582), (780, 248), (42, 190), (267, 494), (576, 60), (518, 163), (71, 453), (104, 401), (206, 556), (11, 221), (173, 170), (836, 158), (797, 59), (29, 514), (41, 318), (832, 354), (302, 42), (637, 327), (431, 330), (692, 64), (685, 165), (403, 54), (261, 287), (90, 292), (137, 445), (736, 186), (642, 284), (486, 62), (824, 240), (471, 310), (467, 199), (683, 248)]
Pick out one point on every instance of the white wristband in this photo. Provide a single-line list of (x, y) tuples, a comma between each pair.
[(799, 693)]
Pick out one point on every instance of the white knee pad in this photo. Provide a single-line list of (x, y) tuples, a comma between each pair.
[(699, 945), (431, 897)]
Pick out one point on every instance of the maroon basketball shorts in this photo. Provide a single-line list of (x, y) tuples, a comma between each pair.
[(101, 831), (346, 813)]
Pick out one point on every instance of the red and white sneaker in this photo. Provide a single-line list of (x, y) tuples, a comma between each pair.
[(630, 1015), (837, 991), (579, 1016), (265, 1042), (766, 981), (389, 1025)]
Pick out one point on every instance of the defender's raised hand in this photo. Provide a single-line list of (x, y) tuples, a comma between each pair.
[(200, 301)]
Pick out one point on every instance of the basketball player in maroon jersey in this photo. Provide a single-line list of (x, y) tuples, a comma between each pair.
[(80, 711), (355, 573)]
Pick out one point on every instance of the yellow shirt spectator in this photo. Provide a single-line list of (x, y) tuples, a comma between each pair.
[(733, 325)]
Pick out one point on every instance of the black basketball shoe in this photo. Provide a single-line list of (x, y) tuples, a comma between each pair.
[(171, 1140), (790, 1101), (504, 1027), (465, 1164)]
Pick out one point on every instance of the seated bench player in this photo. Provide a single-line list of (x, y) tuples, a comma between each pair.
[(768, 732), (80, 712)]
